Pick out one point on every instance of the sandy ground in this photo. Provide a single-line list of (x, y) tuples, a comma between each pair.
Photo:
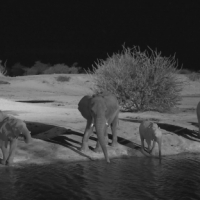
[(49, 107)]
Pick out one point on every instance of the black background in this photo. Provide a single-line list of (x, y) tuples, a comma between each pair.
[(84, 31)]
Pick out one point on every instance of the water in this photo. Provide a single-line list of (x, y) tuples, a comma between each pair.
[(177, 177)]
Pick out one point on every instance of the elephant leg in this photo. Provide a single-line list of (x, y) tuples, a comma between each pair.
[(106, 136), (150, 151), (97, 149), (88, 132), (149, 145), (142, 143), (98, 146), (13, 147), (159, 141), (114, 131), (5, 152)]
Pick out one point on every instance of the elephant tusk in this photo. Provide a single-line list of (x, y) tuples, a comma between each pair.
[(93, 124)]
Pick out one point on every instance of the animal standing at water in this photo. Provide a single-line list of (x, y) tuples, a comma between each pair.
[(150, 131), (101, 111), (198, 115), (10, 129)]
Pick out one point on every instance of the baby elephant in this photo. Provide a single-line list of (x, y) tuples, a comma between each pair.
[(150, 131)]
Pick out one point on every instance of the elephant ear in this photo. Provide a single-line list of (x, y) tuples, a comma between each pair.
[(3, 136), (16, 132), (14, 126), (7, 132), (10, 130)]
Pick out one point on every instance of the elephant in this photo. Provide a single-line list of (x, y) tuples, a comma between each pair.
[(198, 116), (150, 131), (100, 111), (10, 129)]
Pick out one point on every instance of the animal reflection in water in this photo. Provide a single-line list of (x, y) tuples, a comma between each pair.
[(10, 129), (150, 131), (101, 111)]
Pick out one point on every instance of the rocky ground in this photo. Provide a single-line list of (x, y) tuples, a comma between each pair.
[(49, 107)]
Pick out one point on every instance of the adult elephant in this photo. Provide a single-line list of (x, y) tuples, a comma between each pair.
[(101, 111), (10, 129)]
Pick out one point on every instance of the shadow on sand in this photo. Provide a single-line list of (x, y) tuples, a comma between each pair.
[(181, 131), (37, 129), (71, 139), (36, 101)]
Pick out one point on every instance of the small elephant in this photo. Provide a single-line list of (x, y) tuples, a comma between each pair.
[(10, 129), (198, 116), (150, 131), (101, 111)]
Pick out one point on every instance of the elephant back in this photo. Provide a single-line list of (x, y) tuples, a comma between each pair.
[(110, 100), (111, 103)]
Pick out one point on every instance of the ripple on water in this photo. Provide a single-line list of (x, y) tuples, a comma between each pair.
[(177, 177)]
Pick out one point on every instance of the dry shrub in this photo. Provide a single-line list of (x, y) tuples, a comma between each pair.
[(141, 81), (62, 69), (17, 69), (3, 70), (194, 76), (185, 71), (37, 68), (4, 82), (63, 78)]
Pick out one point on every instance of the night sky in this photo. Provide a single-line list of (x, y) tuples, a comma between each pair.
[(84, 31)]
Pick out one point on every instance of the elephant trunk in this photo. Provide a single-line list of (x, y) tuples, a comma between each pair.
[(159, 145), (27, 137), (100, 125)]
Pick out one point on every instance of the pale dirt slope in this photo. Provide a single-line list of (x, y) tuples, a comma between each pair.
[(59, 121)]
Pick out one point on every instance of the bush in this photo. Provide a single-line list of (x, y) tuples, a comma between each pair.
[(62, 69), (185, 71), (32, 71), (194, 76), (140, 81), (3, 70), (4, 82), (37, 68), (17, 69), (63, 78)]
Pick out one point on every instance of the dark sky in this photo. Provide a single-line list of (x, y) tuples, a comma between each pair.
[(84, 31)]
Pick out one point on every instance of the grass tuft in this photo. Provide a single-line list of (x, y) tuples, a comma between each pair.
[(194, 76), (3, 70), (63, 78), (4, 82)]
